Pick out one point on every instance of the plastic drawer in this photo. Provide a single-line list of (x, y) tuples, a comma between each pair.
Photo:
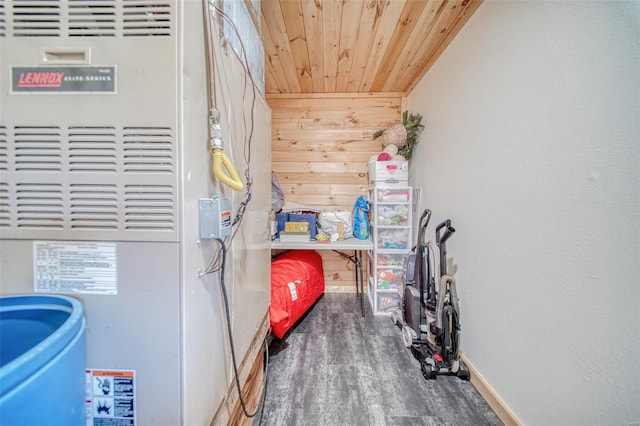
[(387, 301), (388, 279), (390, 260), (392, 215), (397, 239), (393, 195)]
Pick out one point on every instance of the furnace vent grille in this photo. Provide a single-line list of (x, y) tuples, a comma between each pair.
[(92, 18), (149, 207), (40, 205), (36, 18), (148, 150), (94, 206), (4, 148), (38, 149), (3, 24), (87, 18), (88, 182), (146, 18), (93, 150), (5, 206)]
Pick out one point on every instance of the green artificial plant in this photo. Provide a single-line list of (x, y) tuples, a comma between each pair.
[(413, 124)]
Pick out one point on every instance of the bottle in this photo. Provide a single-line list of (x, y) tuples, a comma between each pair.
[(340, 231)]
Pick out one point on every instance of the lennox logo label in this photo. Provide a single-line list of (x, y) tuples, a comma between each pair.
[(40, 79), (63, 80)]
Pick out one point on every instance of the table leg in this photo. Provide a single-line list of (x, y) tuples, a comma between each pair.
[(358, 255), (356, 259)]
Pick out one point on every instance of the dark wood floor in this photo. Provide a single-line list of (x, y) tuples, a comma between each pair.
[(337, 368)]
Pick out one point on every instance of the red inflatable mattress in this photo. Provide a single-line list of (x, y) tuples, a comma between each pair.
[(297, 282)]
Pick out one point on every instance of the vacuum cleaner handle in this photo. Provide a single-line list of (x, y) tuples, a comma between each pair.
[(423, 223), (441, 238), (426, 213)]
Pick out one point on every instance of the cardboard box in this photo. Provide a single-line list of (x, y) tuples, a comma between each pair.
[(296, 226), (310, 218)]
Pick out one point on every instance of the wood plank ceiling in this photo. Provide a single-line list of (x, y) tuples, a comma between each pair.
[(351, 46)]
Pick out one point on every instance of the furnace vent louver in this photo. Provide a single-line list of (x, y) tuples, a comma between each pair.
[(3, 23), (39, 205), (88, 182), (146, 18), (5, 206), (149, 207), (38, 149), (92, 18), (92, 150), (94, 206), (36, 18), (87, 18), (4, 147), (5, 211), (147, 150)]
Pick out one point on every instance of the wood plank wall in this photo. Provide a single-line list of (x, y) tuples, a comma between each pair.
[(321, 145)]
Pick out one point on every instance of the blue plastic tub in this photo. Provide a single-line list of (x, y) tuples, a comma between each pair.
[(42, 361)]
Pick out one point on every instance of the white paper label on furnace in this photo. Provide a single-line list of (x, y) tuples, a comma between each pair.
[(75, 267)]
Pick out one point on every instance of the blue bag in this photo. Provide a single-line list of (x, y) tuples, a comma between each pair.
[(361, 218)]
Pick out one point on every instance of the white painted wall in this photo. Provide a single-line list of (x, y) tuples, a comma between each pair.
[(532, 149), (207, 371)]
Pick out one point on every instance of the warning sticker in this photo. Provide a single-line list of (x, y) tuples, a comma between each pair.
[(86, 79), (110, 397), (225, 218), (75, 267)]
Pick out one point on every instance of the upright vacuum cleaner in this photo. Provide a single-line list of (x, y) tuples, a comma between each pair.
[(430, 317)]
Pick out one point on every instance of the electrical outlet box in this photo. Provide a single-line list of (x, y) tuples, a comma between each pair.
[(215, 217)]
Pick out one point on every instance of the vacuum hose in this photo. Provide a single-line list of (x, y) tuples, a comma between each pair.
[(447, 282), (222, 163)]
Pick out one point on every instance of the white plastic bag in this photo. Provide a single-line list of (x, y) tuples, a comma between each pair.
[(328, 222)]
